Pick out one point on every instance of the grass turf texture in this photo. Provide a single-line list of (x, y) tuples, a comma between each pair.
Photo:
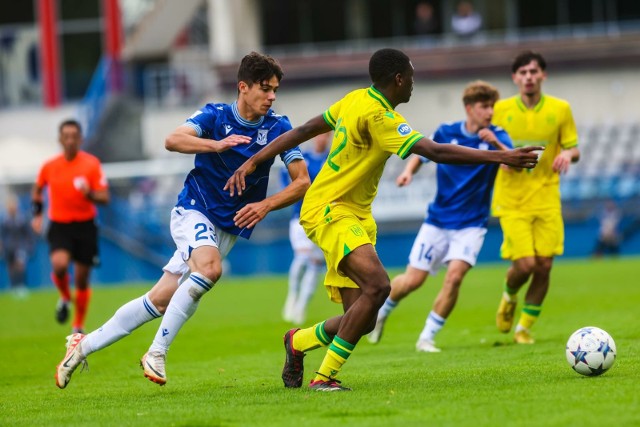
[(224, 368)]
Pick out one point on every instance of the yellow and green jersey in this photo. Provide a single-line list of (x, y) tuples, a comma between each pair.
[(367, 131), (549, 124)]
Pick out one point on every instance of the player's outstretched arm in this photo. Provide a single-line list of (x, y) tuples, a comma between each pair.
[(284, 142), (253, 213), (406, 176), (524, 157), (185, 140)]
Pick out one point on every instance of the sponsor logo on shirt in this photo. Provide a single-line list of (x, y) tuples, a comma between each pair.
[(227, 129), (404, 129), (197, 113), (262, 136), (483, 146)]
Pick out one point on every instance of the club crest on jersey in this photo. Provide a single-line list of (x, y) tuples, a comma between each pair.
[(227, 129), (356, 230), (404, 129), (262, 136)]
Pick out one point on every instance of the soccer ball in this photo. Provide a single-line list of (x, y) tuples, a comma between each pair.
[(591, 351)]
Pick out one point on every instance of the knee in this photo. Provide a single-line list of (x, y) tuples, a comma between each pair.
[(453, 281), (526, 266), (451, 288), (378, 290), (543, 266), (59, 266), (212, 271)]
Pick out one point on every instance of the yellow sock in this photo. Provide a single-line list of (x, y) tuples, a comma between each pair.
[(311, 338), (337, 354), (529, 315)]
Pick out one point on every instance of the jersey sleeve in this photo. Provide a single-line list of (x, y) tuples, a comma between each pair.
[(97, 179), (41, 179), (393, 133), (203, 121), (331, 113), (291, 155), (294, 153), (568, 131)]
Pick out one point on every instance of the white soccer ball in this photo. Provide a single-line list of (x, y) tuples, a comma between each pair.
[(591, 351)]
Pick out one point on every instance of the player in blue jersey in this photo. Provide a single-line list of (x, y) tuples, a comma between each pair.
[(308, 259), (206, 221), (455, 226)]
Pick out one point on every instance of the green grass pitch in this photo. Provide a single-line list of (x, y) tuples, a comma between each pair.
[(224, 368)]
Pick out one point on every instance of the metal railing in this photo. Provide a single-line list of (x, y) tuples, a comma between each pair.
[(95, 100)]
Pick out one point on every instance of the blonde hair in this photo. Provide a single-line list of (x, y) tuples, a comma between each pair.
[(479, 91)]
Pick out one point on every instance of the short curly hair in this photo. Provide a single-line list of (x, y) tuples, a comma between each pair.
[(385, 64)]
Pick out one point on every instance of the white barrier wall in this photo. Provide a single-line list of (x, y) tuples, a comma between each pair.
[(596, 97), (28, 135)]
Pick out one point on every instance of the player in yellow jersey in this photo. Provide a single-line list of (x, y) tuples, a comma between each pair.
[(528, 201), (336, 212)]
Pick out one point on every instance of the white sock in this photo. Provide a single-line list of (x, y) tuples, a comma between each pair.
[(521, 328), (387, 308), (125, 320), (308, 286), (432, 326), (509, 297), (183, 304), (295, 272)]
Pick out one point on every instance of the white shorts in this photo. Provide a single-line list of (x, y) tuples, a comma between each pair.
[(190, 229), (434, 247), (301, 243)]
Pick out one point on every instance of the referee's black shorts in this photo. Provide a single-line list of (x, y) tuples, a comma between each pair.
[(80, 239)]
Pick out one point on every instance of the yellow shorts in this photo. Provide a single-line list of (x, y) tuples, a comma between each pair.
[(529, 234), (338, 231)]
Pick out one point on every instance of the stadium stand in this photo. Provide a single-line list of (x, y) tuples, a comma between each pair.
[(594, 66)]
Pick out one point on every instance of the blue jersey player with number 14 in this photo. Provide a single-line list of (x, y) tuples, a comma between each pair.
[(206, 221), (454, 229)]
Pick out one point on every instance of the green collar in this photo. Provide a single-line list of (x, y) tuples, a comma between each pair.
[(378, 96), (536, 108)]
